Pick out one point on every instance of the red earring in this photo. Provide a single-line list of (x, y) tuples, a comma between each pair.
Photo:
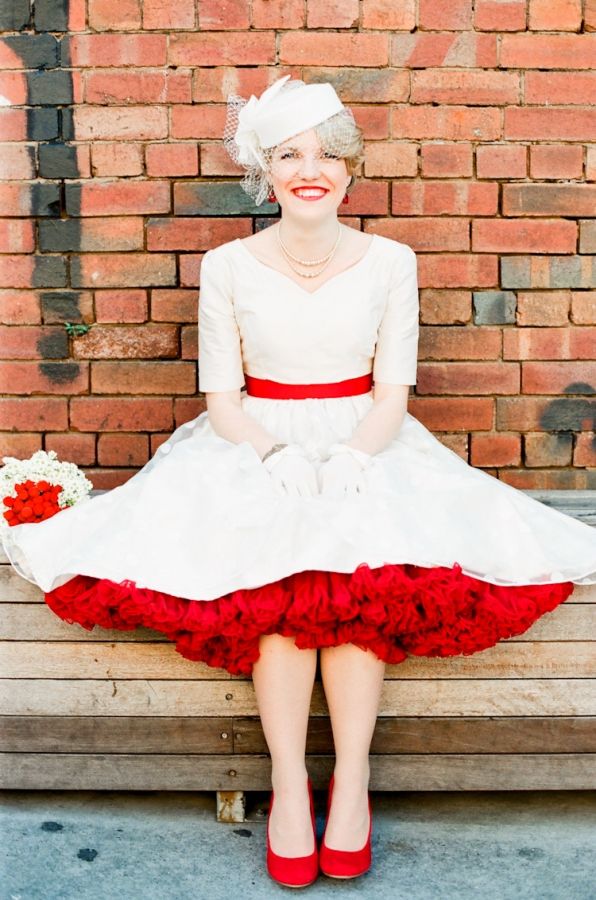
[(346, 199), (271, 197)]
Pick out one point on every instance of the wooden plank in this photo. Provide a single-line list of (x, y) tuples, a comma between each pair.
[(71, 659), (419, 697), (117, 734), (400, 772), (414, 734), (575, 503)]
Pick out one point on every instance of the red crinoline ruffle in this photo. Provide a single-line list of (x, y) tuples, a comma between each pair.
[(393, 610)]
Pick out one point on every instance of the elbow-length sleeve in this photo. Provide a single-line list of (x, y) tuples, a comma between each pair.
[(396, 351), (220, 356)]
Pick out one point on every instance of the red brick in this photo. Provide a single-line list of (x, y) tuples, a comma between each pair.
[(116, 198), (232, 14), (76, 15), (445, 15), (32, 342), (143, 378), (548, 449), (121, 413), (445, 307), (456, 442), (468, 378), (54, 314), (585, 449), (457, 270), (459, 343), (172, 159), (500, 15), (546, 479), (16, 236), (117, 50), (13, 124), (107, 234), (377, 14), (555, 15), (435, 198), (538, 413), (453, 413), (420, 50), (174, 234), (199, 121), (556, 377), (189, 343), (33, 413), (334, 14), (449, 123), (591, 164), (21, 446), (107, 479), (17, 161), (425, 233), (222, 48), (213, 231), (44, 378), (523, 236), (123, 270), (73, 447), (105, 15), (542, 308), (587, 236), (117, 159), (495, 449), (156, 440), (19, 307), (16, 199), (121, 306), (565, 124), (13, 88), (583, 307), (121, 123), (556, 161), (127, 342), (174, 305), (214, 160), (549, 199), (187, 408), (473, 88), (566, 343), (564, 88), (445, 160), (17, 270), (501, 161), (309, 48), (164, 14), (547, 51), (126, 86), (390, 158), (122, 449), (590, 15)]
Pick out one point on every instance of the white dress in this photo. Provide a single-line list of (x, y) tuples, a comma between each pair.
[(432, 541)]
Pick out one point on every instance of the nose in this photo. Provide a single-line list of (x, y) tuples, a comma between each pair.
[(310, 165)]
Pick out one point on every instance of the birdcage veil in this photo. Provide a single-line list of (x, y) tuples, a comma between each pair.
[(244, 145)]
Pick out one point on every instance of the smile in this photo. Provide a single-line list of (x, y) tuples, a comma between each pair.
[(309, 193)]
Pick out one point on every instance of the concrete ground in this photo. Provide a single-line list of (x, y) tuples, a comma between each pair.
[(95, 845)]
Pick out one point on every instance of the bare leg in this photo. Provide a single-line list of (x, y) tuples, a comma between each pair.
[(353, 681), (283, 678)]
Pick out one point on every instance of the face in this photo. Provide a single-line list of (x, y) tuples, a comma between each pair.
[(306, 179)]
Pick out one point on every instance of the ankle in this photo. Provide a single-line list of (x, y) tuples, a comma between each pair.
[(288, 782)]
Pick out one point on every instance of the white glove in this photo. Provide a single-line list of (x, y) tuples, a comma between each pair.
[(342, 473), (292, 472)]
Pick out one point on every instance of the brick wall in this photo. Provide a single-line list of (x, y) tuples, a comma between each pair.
[(480, 128)]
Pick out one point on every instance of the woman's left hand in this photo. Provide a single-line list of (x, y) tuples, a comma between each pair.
[(343, 473)]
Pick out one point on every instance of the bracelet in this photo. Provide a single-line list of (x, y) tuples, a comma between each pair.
[(285, 450), (273, 449), (359, 455)]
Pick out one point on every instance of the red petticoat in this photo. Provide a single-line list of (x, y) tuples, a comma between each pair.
[(393, 610)]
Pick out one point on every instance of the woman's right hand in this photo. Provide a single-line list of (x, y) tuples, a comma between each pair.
[(292, 473)]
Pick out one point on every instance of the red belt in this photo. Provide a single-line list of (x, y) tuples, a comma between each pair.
[(262, 387)]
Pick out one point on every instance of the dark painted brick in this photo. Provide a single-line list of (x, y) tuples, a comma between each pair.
[(49, 271), (60, 373), (61, 307), (58, 161), (67, 131), (14, 14), (51, 15), (60, 234), (567, 415), (53, 345), (49, 88), (493, 307), (219, 198), (44, 199), (42, 123), (38, 51)]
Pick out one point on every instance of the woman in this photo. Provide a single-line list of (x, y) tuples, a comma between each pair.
[(310, 512)]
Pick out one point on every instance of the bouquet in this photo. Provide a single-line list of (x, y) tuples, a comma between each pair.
[(37, 488)]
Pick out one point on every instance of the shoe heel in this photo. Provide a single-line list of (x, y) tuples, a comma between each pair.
[(294, 871), (345, 863)]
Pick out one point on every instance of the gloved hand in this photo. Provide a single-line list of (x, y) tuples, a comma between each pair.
[(342, 473), (292, 473)]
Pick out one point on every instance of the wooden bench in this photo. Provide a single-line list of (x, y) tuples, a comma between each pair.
[(117, 710)]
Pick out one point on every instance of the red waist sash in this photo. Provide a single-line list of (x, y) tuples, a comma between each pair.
[(276, 390)]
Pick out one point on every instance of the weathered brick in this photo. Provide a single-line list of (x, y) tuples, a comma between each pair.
[(441, 160), (555, 15), (33, 342), (339, 14), (549, 479), (494, 307), (127, 342), (24, 271), (548, 449), (583, 307), (473, 88), (425, 232), (521, 235), (51, 15), (116, 159), (544, 413), (500, 15), (377, 14), (309, 48), (105, 15), (212, 232), (549, 343), (174, 305), (116, 198), (564, 88), (104, 270), (63, 161), (187, 408), (547, 51), (29, 199), (72, 447), (14, 15), (577, 377), (16, 236), (542, 308), (548, 271), (457, 270), (143, 378), (556, 161), (223, 48), (459, 343), (19, 307), (36, 51), (121, 123), (524, 123), (125, 86), (108, 50), (197, 122), (445, 15), (444, 198), (121, 413), (391, 158), (166, 16), (189, 342), (107, 479), (34, 124), (453, 413), (585, 449), (67, 306), (122, 449), (495, 449), (49, 87), (444, 307), (501, 161), (121, 306), (468, 378), (212, 15), (44, 378), (591, 164), (33, 414), (449, 123), (587, 236), (17, 161), (549, 199), (283, 14), (20, 445), (92, 234), (171, 159)]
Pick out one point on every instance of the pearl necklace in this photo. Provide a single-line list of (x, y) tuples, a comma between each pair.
[(309, 262)]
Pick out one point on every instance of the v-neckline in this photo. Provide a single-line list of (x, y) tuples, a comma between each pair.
[(295, 283)]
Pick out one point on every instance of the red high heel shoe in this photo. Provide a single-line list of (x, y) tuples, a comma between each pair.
[(294, 871), (345, 863)]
